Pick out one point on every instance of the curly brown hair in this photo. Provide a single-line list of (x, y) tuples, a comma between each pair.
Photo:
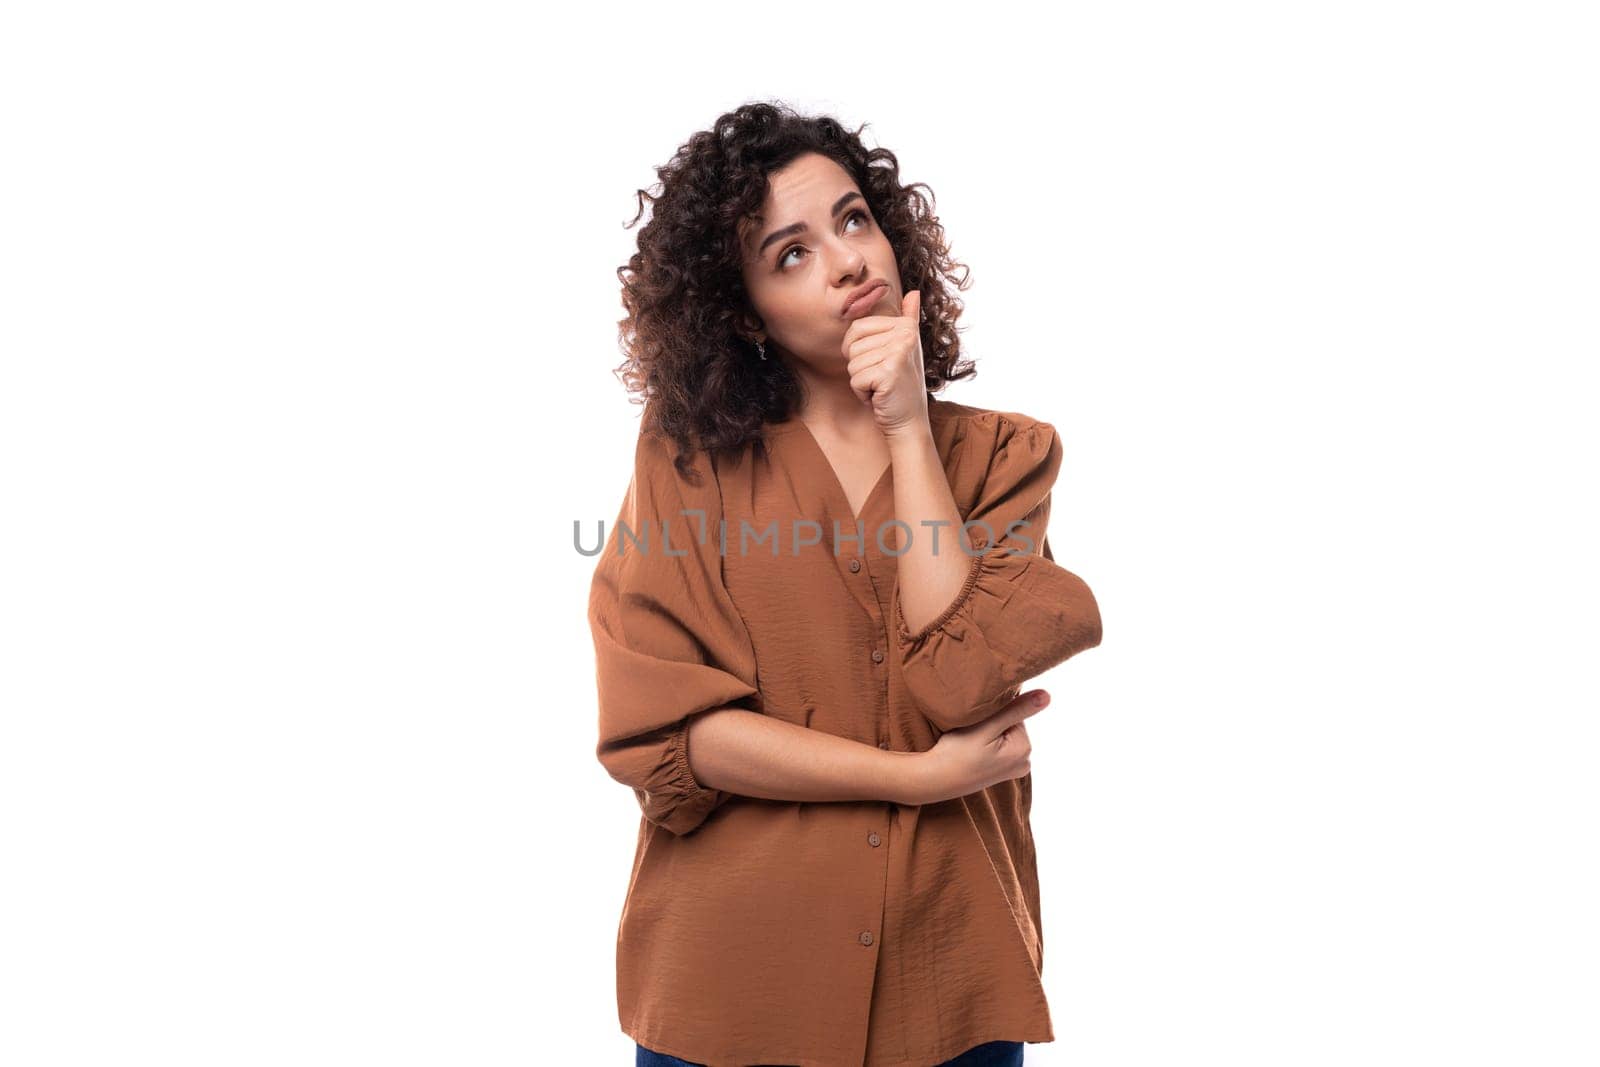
[(692, 366)]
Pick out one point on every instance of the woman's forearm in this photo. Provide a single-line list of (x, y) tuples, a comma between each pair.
[(757, 755), (934, 564)]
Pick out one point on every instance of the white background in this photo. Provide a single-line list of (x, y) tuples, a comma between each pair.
[(309, 314)]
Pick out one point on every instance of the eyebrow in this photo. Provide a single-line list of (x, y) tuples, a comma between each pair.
[(800, 227)]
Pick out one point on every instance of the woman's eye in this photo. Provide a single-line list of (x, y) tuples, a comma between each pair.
[(782, 259)]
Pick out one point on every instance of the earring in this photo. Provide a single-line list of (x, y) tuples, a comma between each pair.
[(761, 347)]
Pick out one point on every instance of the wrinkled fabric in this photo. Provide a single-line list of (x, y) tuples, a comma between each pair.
[(1019, 613), (668, 639), (840, 933)]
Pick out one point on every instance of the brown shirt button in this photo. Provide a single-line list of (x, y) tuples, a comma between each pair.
[(883, 744), (872, 839), (877, 655), (866, 937), (855, 565)]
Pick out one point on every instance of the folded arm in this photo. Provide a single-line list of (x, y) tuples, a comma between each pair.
[(1010, 611), (753, 755)]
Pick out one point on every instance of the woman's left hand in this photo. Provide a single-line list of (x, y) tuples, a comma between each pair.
[(885, 366)]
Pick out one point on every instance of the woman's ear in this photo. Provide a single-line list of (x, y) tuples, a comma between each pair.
[(751, 329)]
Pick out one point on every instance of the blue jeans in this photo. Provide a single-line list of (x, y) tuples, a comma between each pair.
[(991, 1054)]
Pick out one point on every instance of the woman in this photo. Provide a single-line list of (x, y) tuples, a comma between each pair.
[(808, 669)]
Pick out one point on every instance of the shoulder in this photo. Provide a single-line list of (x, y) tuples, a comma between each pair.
[(656, 464), (1006, 438), (662, 506)]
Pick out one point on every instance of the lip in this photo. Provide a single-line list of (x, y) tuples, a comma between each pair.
[(862, 298)]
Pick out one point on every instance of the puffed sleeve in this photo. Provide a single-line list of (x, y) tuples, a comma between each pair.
[(1019, 613), (669, 641)]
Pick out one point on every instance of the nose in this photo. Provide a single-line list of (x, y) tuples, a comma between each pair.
[(848, 262), (843, 257)]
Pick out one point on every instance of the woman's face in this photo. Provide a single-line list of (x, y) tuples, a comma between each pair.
[(814, 243)]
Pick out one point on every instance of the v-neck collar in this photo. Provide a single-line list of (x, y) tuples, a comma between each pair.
[(835, 487)]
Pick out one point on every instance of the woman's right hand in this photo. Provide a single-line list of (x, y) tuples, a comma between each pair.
[(975, 757)]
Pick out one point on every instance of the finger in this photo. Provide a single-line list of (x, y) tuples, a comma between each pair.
[(895, 333), (868, 377), (911, 304), (864, 383), (1016, 729), (867, 326), (866, 354), (1024, 706)]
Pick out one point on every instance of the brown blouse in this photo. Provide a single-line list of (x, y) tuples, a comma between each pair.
[(842, 933)]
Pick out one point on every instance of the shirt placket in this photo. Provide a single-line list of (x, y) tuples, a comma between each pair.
[(860, 562)]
